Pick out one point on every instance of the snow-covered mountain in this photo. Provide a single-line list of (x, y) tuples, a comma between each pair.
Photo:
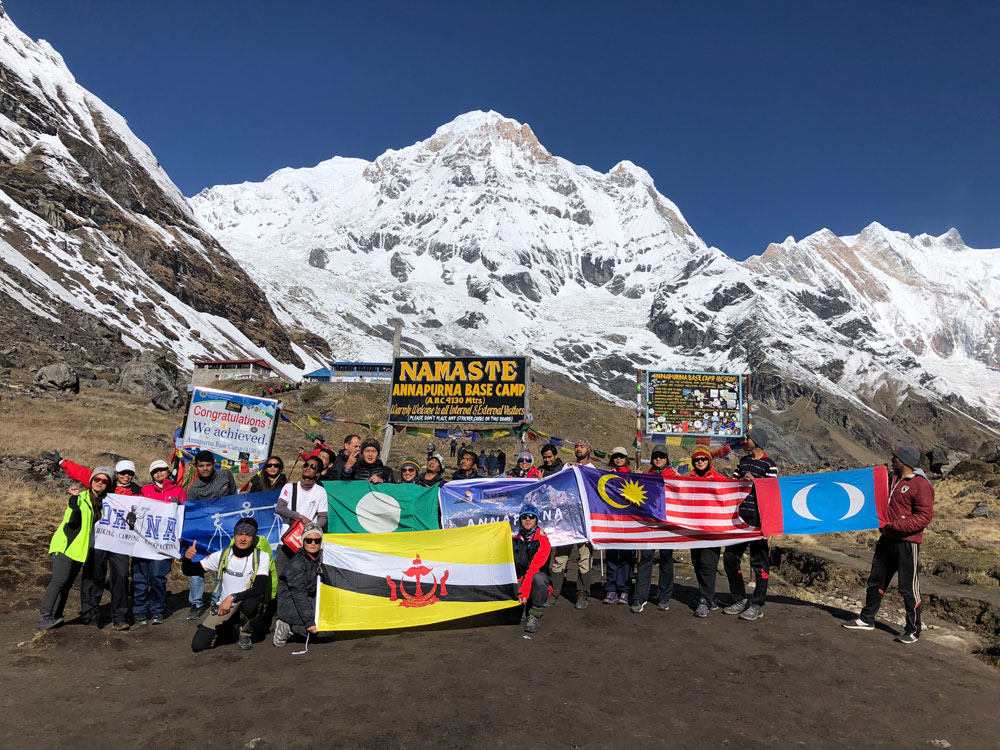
[(100, 254), (481, 240)]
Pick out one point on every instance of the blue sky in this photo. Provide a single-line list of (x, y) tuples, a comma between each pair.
[(760, 120)]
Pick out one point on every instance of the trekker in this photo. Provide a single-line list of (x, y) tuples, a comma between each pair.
[(454, 447), (329, 471), (297, 589), (551, 463), (644, 570), (754, 464), (705, 560), (149, 577), (433, 472), (531, 553), (318, 442), (523, 468), (408, 471), (208, 485), (71, 548), (243, 578), (481, 463), (467, 461), (352, 447), (271, 477), (583, 452), (897, 552), (430, 449), (369, 466), (501, 461), (491, 464), (305, 501), (618, 561)]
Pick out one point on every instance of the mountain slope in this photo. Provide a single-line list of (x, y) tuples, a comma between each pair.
[(481, 240), (100, 253)]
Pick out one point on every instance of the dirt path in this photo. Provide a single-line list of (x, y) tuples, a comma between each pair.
[(602, 678)]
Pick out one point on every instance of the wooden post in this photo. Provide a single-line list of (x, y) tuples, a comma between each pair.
[(387, 431)]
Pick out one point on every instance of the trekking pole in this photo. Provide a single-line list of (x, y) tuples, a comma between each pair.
[(297, 457)]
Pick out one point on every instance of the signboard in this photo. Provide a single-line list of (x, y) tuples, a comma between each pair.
[(694, 403), (459, 390), (233, 426)]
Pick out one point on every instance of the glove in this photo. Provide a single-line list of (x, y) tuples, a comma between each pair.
[(52, 456)]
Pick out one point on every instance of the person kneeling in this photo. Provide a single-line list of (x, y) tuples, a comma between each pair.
[(297, 589), (531, 553), (244, 572)]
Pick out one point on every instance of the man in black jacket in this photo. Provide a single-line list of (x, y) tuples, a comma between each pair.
[(297, 589), (551, 463), (467, 466)]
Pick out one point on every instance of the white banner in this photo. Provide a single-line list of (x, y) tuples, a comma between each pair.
[(140, 527)]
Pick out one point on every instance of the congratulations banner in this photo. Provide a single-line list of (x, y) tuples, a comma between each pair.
[(235, 427), (471, 502), (209, 523), (139, 527)]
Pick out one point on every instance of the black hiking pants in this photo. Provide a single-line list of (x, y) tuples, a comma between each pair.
[(895, 557), (760, 563)]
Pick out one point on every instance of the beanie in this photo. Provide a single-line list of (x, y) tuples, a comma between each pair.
[(759, 437), (908, 454), (246, 526)]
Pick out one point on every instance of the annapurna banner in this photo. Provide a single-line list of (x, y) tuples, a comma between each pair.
[(139, 527)]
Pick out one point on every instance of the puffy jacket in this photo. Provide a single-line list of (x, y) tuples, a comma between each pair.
[(555, 468), (170, 492), (362, 471), (532, 473), (74, 535), (530, 556), (297, 590), (911, 507)]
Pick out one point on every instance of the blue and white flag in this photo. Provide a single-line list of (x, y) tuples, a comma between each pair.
[(852, 500), (139, 527), (470, 502), (209, 523)]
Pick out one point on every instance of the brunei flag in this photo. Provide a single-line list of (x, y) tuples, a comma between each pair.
[(410, 578), (365, 508)]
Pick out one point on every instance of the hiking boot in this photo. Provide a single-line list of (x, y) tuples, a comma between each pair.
[(623, 599), (532, 624), (611, 597), (245, 643), (906, 638), (753, 612), (858, 624), (663, 605), (47, 622), (282, 632), (195, 612), (702, 609), (581, 600), (551, 601), (158, 619), (120, 626), (737, 607), (637, 607)]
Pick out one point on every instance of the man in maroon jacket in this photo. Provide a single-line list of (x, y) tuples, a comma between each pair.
[(911, 508)]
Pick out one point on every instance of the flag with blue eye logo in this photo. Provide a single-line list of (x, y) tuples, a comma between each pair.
[(853, 500)]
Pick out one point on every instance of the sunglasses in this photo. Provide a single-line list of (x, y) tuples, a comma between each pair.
[(100, 480), (408, 468), (272, 466), (524, 460), (311, 467), (312, 540), (532, 516), (127, 473), (700, 460)]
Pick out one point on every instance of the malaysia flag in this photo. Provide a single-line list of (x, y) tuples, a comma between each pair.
[(643, 511)]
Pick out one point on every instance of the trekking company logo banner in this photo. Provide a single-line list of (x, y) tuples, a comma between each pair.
[(209, 523), (379, 581), (642, 511), (364, 508), (139, 527), (473, 502), (852, 500)]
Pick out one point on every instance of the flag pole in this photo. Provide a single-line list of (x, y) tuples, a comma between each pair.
[(387, 430)]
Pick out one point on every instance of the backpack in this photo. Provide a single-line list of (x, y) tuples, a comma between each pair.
[(262, 544)]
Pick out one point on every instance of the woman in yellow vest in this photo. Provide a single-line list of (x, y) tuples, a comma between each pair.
[(72, 543)]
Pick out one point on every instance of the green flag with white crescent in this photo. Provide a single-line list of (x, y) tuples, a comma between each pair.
[(364, 508)]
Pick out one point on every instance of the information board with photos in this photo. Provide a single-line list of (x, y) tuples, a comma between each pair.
[(694, 403)]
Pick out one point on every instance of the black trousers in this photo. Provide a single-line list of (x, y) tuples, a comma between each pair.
[(895, 557), (242, 618), (644, 575), (539, 591), (64, 572), (760, 563), (99, 563), (705, 561)]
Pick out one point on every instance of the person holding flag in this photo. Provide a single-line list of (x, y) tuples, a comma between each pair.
[(705, 560), (619, 561), (644, 570), (149, 577), (531, 554)]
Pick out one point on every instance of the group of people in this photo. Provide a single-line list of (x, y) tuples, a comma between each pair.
[(255, 583)]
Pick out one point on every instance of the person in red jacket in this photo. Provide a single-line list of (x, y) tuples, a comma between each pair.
[(618, 561), (102, 563), (644, 570), (897, 552), (523, 468), (531, 554), (705, 560), (149, 577)]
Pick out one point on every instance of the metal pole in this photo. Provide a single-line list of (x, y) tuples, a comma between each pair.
[(387, 430)]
